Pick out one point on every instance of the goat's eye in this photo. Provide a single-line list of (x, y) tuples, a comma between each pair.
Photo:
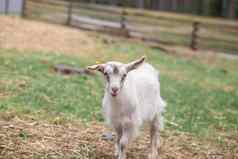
[(123, 77), (106, 75)]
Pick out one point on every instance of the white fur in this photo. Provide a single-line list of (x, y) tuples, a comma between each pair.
[(139, 98), (139, 101)]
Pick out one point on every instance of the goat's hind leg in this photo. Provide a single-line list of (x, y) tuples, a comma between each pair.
[(155, 140)]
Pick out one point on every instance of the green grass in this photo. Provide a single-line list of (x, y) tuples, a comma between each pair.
[(35, 88), (202, 98)]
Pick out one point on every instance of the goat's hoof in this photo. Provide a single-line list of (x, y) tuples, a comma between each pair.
[(116, 154), (153, 156)]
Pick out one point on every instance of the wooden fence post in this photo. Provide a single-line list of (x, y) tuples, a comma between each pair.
[(123, 20), (69, 13), (23, 8), (6, 6), (123, 24), (194, 36)]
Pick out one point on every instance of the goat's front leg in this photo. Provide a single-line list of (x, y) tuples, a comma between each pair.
[(117, 145), (122, 146), (154, 132), (127, 135)]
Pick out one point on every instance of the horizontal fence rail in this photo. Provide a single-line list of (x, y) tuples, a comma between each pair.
[(162, 27)]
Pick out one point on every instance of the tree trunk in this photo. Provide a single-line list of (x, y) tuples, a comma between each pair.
[(200, 7), (231, 8), (162, 4), (194, 7), (174, 5), (114, 2), (159, 4), (155, 4), (206, 7), (228, 8), (182, 8), (140, 3), (224, 8), (93, 1)]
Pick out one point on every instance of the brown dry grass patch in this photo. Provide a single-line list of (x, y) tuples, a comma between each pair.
[(39, 139), (20, 84), (37, 36)]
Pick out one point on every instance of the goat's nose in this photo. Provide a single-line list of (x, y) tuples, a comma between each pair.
[(114, 89)]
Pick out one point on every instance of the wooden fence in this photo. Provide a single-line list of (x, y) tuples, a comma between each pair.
[(159, 27)]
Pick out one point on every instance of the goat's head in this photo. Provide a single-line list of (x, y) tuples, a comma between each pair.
[(115, 73)]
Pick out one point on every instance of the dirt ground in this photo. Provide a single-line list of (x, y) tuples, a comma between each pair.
[(39, 139), (32, 35)]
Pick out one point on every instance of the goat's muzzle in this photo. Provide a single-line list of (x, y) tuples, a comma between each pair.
[(114, 91)]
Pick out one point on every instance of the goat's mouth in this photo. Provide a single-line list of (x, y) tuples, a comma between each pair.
[(114, 94)]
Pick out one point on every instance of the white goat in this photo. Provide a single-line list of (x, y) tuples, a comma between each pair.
[(132, 97)]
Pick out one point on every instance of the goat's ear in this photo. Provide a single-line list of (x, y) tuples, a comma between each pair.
[(135, 64), (99, 67)]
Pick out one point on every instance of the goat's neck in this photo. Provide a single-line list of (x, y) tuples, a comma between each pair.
[(125, 98)]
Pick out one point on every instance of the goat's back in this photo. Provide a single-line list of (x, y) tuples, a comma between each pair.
[(146, 82)]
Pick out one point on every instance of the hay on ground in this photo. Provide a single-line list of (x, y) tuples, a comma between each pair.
[(38, 139)]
